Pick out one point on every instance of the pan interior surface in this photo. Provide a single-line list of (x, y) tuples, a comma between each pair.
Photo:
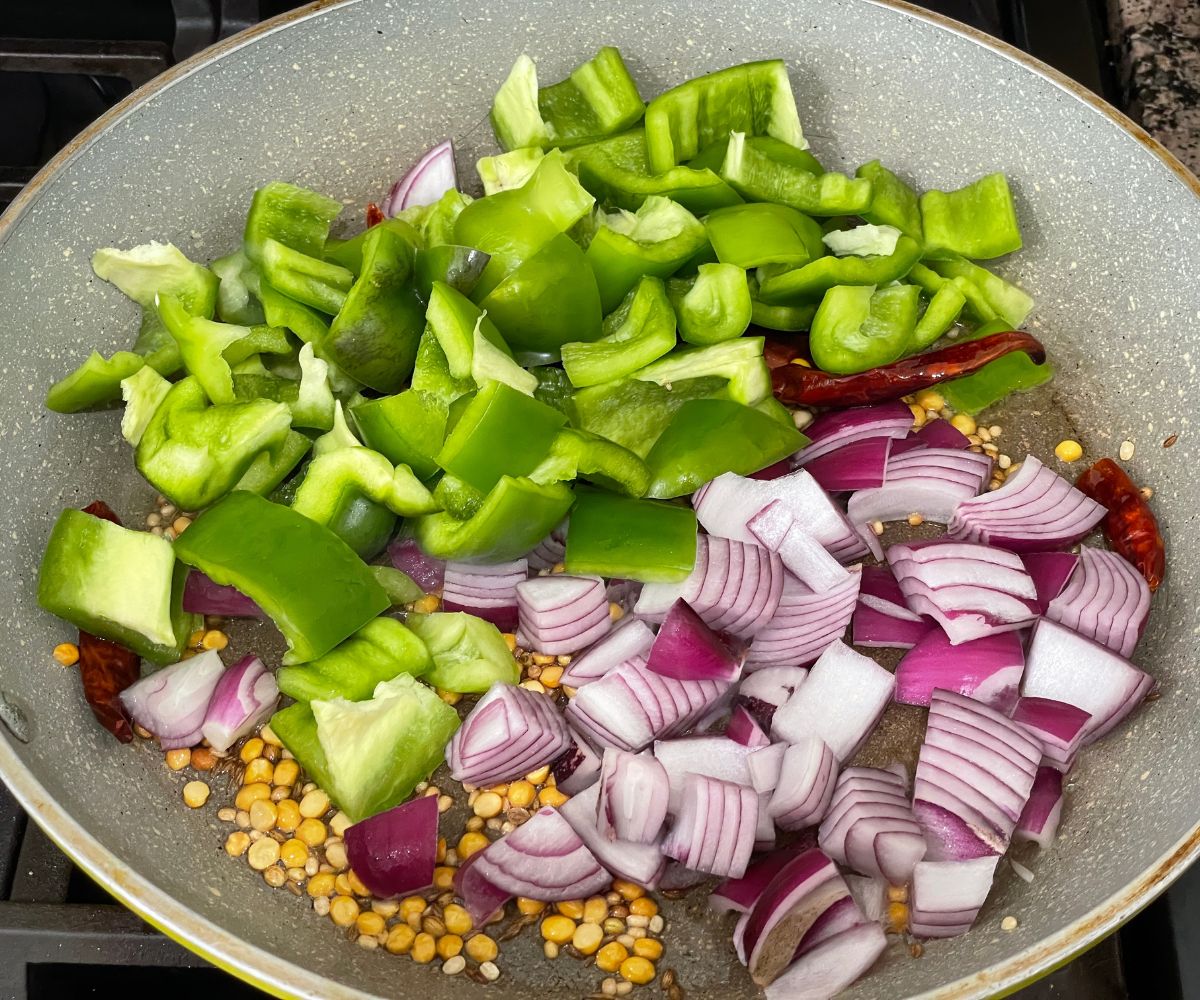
[(342, 101)]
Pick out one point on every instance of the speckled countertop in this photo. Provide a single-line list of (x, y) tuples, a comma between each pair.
[(1157, 43)]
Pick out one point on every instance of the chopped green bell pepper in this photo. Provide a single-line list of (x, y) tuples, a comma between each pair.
[(763, 233), (459, 267), (639, 331), (202, 344), (893, 203), (655, 241), (516, 118), (643, 540), (506, 171), (339, 436), (116, 583), (1004, 300), (379, 651), (98, 380), (349, 253), (713, 307), (868, 240), (407, 429), (473, 347), (754, 98), (335, 475), (194, 453), (759, 176), (293, 216), (713, 157), (709, 437), (859, 327), (315, 589), (143, 392), (271, 468), (940, 314), (315, 282), (596, 100), (996, 380), (501, 432), (401, 588), (374, 336), (469, 654), (809, 282), (575, 453), (235, 303), (458, 498), (739, 360), (516, 515), (438, 226), (978, 221), (431, 372), (787, 319)]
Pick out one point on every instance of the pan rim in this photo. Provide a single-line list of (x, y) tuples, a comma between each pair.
[(282, 978)]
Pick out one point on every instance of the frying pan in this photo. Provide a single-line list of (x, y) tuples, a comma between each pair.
[(341, 98)]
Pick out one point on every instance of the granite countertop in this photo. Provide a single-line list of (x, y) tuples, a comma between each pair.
[(1157, 47)]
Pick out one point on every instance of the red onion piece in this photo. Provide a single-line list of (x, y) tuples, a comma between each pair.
[(1059, 727), (203, 597), (870, 826), (630, 639), (577, 767), (942, 434), (640, 863), (727, 503), (1050, 572), (480, 898), (1033, 511), (764, 690), (509, 732), (1039, 821), (714, 829), (172, 702), (425, 182), (488, 592), (872, 629), (740, 894), (245, 695), (743, 728), (988, 669), (406, 555), (840, 702), (832, 965), (805, 624), (870, 894), (687, 649), (805, 787), (861, 465), (562, 614), (835, 429), (949, 889), (394, 852), (1105, 599), (879, 590), (711, 756), (841, 916), (634, 791), (1065, 666), (549, 552), (802, 555), (765, 765)]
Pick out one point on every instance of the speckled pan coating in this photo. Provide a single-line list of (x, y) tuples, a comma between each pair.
[(342, 100)]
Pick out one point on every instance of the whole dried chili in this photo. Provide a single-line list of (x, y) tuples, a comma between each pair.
[(1130, 526), (797, 384), (107, 668)]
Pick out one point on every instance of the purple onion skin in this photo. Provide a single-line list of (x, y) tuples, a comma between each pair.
[(763, 711), (566, 763)]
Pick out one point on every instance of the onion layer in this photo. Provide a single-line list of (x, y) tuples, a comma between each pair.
[(714, 829), (1039, 820), (629, 640), (577, 767), (805, 625), (687, 649), (488, 592), (870, 825), (640, 863), (1059, 727), (861, 465), (834, 429), (172, 702), (763, 691), (634, 792), (425, 182), (562, 614), (1050, 572), (394, 852), (510, 732), (802, 794), (245, 695), (406, 555), (1105, 599), (802, 555), (947, 895), (988, 669)]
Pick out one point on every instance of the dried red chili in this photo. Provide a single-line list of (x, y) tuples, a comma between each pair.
[(374, 214), (797, 384), (1130, 526), (107, 668)]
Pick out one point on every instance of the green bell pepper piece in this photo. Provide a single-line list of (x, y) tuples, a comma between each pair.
[(314, 398), (713, 307), (655, 240), (195, 453), (516, 515), (1006, 301), (755, 98), (978, 221), (740, 361), (366, 526), (596, 100), (339, 436), (759, 176), (315, 589), (893, 203), (143, 392), (787, 319), (550, 299), (709, 437), (506, 171), (459, 267), (315, 282), (407, 429), (271, 468), (501, 432), (809, 282), (763, 233), (469, 654), (473, 347), (401, 588), (713, 157), (633, 413), (940, 314), (868, 240), (859, 327), (380, 650), (348, 472), (553, 387), (491, 364), (931, 283), (438, 227), (96, 381), (202, 344), (293, 216), (431, 372), (997, 379), (459, 499), (640, 330), (349, 253), (374, 336), (516, 118), (643, 540), (575, 453), (116, 583), (235, 303)]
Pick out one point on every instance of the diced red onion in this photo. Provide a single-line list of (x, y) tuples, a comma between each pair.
[(942, 434), (1033, 511), (764, 690), (712, 756), (740, 894), (882, 618), (870, 826), (841, 916), (203, 597), (1050, 572), (879, 590), (1059, 727), (743, 728), (640, 863), (1065, 666), (425, 182), (406, 555), (832, 965), (488, 592), (630, 639), (688, 650), (562, 614), (245, 695), (509, 732), (714, 829), (764, 765), (543, 858), (870, 894), (840, 702), (802, 555), (956, 888), (172, 702), (988, 669), (861, 465), (480, 898), (834, 429), (805, 624), (1105, 599), (634, 792), (1039, 821), (549, 552), (727, 504), (394, 852), (805, 786), (577, 767)]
